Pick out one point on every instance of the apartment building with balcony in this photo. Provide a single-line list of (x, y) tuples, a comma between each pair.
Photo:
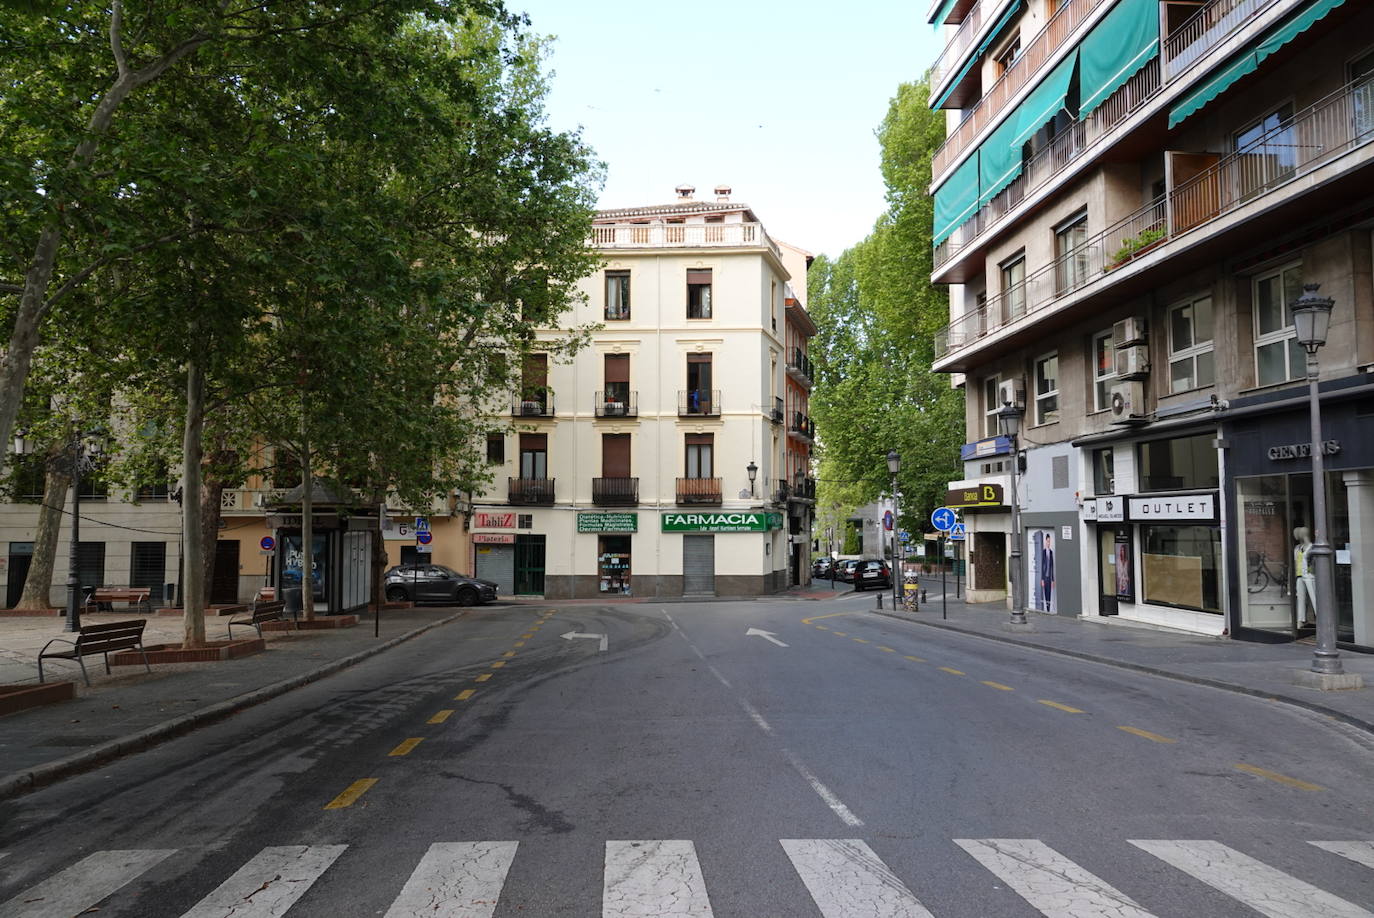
[(1131, 196), (671, 456)]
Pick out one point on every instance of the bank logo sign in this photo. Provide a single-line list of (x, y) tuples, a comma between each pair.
[(721, 522)]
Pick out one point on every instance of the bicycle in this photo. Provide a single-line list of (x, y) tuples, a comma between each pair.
[(1260, 575)]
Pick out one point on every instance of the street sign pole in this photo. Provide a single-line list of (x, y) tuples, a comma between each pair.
[(944, 602)]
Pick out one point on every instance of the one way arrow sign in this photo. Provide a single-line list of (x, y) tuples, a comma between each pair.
[(766, 635), (573, 635)]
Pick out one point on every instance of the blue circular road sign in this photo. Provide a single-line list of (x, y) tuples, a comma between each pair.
[(267, 543), (423, 537), (887, 520), (943, 519)]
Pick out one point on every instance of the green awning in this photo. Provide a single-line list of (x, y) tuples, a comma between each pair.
[(1044, 101), (1248, 61), (1125, 40), (942, 13), (1013, 9), (999, 161), (957, 199)]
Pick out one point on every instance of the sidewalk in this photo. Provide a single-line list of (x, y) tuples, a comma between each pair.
[(132, 709), (1261, 670)]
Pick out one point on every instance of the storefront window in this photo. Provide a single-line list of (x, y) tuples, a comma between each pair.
[(1266, 543), (613, 563), (1181, 566), (1104, 471), (1179, 464)]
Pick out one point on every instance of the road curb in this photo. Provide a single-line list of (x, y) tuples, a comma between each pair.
[(19, 783), (1341, 716)]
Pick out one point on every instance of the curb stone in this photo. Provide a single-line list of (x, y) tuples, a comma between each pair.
[(19, 783)]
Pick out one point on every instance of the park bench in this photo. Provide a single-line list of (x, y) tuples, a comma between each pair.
[(264, 610), (104, 639), (102, 597)]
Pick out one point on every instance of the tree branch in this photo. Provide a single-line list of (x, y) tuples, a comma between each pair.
[(116, 38)]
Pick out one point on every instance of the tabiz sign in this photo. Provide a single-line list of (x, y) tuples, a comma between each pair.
[(493, 520), (983, 495), (608, 522), (1177, 507), (721, 522), (493, 538)]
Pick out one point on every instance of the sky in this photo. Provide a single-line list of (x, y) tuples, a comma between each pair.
[(779, 100)]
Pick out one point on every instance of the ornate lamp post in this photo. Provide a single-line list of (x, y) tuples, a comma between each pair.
[(1312, 318), (753, 472), (83, 451), (1009, 421), (894, 465)]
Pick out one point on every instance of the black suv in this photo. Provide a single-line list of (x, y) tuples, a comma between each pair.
[(436, 583), (871, 574)]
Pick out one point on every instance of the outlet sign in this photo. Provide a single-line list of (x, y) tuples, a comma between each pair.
[(743, 521)]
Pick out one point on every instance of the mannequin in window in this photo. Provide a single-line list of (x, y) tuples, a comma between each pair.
[(1304, 581)]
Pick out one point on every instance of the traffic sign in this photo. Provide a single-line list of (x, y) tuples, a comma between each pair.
[(267, 543), (958, 533), (904, 536), (421, 524), (887, 520), (423, 537), (943, 519)]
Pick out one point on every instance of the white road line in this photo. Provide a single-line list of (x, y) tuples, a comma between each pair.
[(1268, 891), (269, 884), (82, 885), (756, 717), (456, 880), (825, 793), (847, 880), (1361, 852), (653, 879), (1046, 879), (715, 672)]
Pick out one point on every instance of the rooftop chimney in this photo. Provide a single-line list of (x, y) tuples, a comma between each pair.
[(723, 194), (685, 192)]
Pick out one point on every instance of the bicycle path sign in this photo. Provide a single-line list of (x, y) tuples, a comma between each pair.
[(943, 519)]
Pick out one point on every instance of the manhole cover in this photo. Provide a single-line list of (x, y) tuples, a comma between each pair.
[(74, 740)]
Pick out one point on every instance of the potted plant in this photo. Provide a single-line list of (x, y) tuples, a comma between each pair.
[(1137, 245)]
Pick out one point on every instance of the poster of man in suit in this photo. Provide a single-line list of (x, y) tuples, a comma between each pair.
[(1043, 596)]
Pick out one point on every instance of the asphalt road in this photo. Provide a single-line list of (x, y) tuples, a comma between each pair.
[(843, 764)]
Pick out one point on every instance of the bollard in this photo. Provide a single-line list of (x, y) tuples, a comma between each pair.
[(923, 594), (880, 601)]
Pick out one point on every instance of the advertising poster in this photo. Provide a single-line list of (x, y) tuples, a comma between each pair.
[(293, 559), (1041, 547), (1125, 575)]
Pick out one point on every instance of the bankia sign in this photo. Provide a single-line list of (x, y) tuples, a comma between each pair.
[(728, 521)]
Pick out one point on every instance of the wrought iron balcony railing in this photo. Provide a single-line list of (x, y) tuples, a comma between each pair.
[(617, 404), (615, 492), (698, 490), (698, 403), (531, 490), (538, 405)]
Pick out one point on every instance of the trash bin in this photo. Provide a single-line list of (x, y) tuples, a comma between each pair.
[(291, 596)]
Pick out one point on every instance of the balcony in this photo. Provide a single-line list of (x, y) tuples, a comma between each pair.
[(699, 491), (532, 406), (804, 489), (615, 492), (1311, 140), (799, 366), (778, 413), (780, 491), (698, 403), (802, 427), (538, 491), (959, 42), (617, 404), (681, 235)]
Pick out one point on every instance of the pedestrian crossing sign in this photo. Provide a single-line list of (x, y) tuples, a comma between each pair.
[(958, 533)]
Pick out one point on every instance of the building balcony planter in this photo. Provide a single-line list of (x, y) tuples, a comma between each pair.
[(537, 405), (1138, 245), (617, 404), (530, 491), (699, 491), (615, 492)]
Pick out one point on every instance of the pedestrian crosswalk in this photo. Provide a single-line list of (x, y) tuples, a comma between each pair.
[(843, 878)]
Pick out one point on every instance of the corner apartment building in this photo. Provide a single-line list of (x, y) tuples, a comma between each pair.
[(1131, 196), (671, 456)]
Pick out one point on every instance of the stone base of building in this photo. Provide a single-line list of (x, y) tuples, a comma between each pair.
[(974, 597)]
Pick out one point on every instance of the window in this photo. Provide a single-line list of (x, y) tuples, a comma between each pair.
[(1071, 254), (617, 294), (991, 405), (1104, 471), (1047, 389), (148, 565), (615, 455), (1104, 370), (699, 293), (1014, 288), (534, 457), (90, 563), (1267, 152), (700, 456), (534, 380), (93, 483), (699, 393), (496, 448), (1008, 55), (28, 473), (1278, 356), (1190, 346), (1179, 464), (1181, 566), (1362, 99), (773, 303), (617, 371)]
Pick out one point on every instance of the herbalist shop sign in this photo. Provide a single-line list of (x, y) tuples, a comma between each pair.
[(608, 522), (721, 522)]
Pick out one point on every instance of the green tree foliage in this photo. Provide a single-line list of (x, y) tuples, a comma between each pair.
[(878, 313)]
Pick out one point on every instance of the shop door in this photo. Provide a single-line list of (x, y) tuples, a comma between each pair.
[(21, 556), (497, 564), (1106, 570), (224, 587), (529, 565), (699, 565)]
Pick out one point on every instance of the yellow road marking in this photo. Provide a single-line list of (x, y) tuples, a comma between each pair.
[(465, 694), (482, 678), (407, 745), (351, 794), (498, 664), (946, 669), (861, 640), (885, 649), (508, 653), (1062, 707), (1275, 776), (518, 644), (999, 686), (1136, 731), (441, 716), (915, 659), (526, 636), (823, 627), (816, 618), (840, 633)]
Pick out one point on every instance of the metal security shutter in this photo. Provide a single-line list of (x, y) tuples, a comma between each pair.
[(148, 565), (224, 586), (497, 564), (699, 564)]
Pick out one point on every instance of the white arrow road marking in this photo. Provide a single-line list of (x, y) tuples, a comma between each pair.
[(83, 884), (766, 635), (605, 640), (456, 880), (269, 884), (653, 879)]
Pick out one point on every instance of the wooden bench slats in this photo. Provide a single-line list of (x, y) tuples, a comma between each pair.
[(104, 638)]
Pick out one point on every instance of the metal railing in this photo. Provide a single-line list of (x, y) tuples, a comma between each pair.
[(532, 406), (530, 490), (617, 404), (667, 235), (802, 426), (695, 403), (800, 364), (958, 43), (1341, 122), (698, 490), (1211, 24), (778, 412), (615, 492)]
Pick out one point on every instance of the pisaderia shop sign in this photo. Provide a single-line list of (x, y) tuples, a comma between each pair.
[(744, 521)]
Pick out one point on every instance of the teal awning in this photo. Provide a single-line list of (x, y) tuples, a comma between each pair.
[(1044, 101), (999, 161), (1011, 12), (1125, 40), (1248, 61), (957, 199), (942, 13)]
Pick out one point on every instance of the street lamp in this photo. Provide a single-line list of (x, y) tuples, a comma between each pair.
[(1311, 319), (83, 450), (894, 465), (1009, 422), (753, 471)]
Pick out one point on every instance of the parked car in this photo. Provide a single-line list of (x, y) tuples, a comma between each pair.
[(844, 570), (871, 574), (820, 568), (436, 583)]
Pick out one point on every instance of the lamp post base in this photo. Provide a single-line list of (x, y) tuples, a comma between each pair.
[(1328, 682), (1019, 618)]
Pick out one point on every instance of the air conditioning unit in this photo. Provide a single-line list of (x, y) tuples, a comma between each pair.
[(1133, 362), (1128, 403), (1129, 331), (1012, 392)]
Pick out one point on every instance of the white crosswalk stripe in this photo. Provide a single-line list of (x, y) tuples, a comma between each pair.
[(847, 880), (456, 880), (653, 879), (1361, 852), (1265, 889), (1048, 880), (269, 884), (82, 885)]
